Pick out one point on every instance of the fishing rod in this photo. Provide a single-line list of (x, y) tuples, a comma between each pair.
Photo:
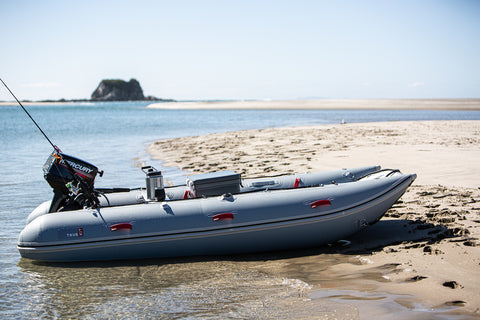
[(28, 114), (84, 188)]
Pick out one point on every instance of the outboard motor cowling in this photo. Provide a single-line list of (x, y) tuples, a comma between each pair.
[(58, 171), (72, 182)]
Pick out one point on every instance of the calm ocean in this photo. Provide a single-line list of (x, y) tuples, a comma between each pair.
[(114, 136)]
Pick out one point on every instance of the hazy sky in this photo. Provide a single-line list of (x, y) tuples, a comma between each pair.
[(242, 49)]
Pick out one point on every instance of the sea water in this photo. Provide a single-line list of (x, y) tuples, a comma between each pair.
[(114, 137)]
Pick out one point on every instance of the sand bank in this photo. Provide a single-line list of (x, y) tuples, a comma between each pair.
[(440, 152), (420, 104), (427, 245)]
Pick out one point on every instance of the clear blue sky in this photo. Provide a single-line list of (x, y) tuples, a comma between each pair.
[(242, 49)]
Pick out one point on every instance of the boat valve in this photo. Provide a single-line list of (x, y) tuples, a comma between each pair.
[(154, 181)]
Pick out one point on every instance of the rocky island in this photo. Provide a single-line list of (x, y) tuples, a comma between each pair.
[(120, 90)]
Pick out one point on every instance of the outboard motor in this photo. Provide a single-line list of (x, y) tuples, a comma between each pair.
[(154, 181), (72, 182), (71, 178)]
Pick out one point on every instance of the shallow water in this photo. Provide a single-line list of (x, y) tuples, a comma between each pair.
[(270, 286), (172, 289), (114, 137)]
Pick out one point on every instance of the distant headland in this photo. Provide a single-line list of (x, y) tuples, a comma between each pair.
[(114, 90)]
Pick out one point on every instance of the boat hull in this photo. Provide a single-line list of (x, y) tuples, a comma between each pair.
[(230, 224)]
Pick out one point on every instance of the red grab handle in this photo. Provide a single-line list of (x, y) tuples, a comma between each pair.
[(121, 226), (188, 194), (297, 183), (320, 203), (223, 216)]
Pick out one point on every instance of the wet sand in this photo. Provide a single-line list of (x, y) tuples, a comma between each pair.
[(427, 245)]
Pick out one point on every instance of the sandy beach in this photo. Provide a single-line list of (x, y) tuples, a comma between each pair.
[(427, 245), (404, 104)]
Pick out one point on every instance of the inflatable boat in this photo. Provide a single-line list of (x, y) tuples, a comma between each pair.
[(211, 214)]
